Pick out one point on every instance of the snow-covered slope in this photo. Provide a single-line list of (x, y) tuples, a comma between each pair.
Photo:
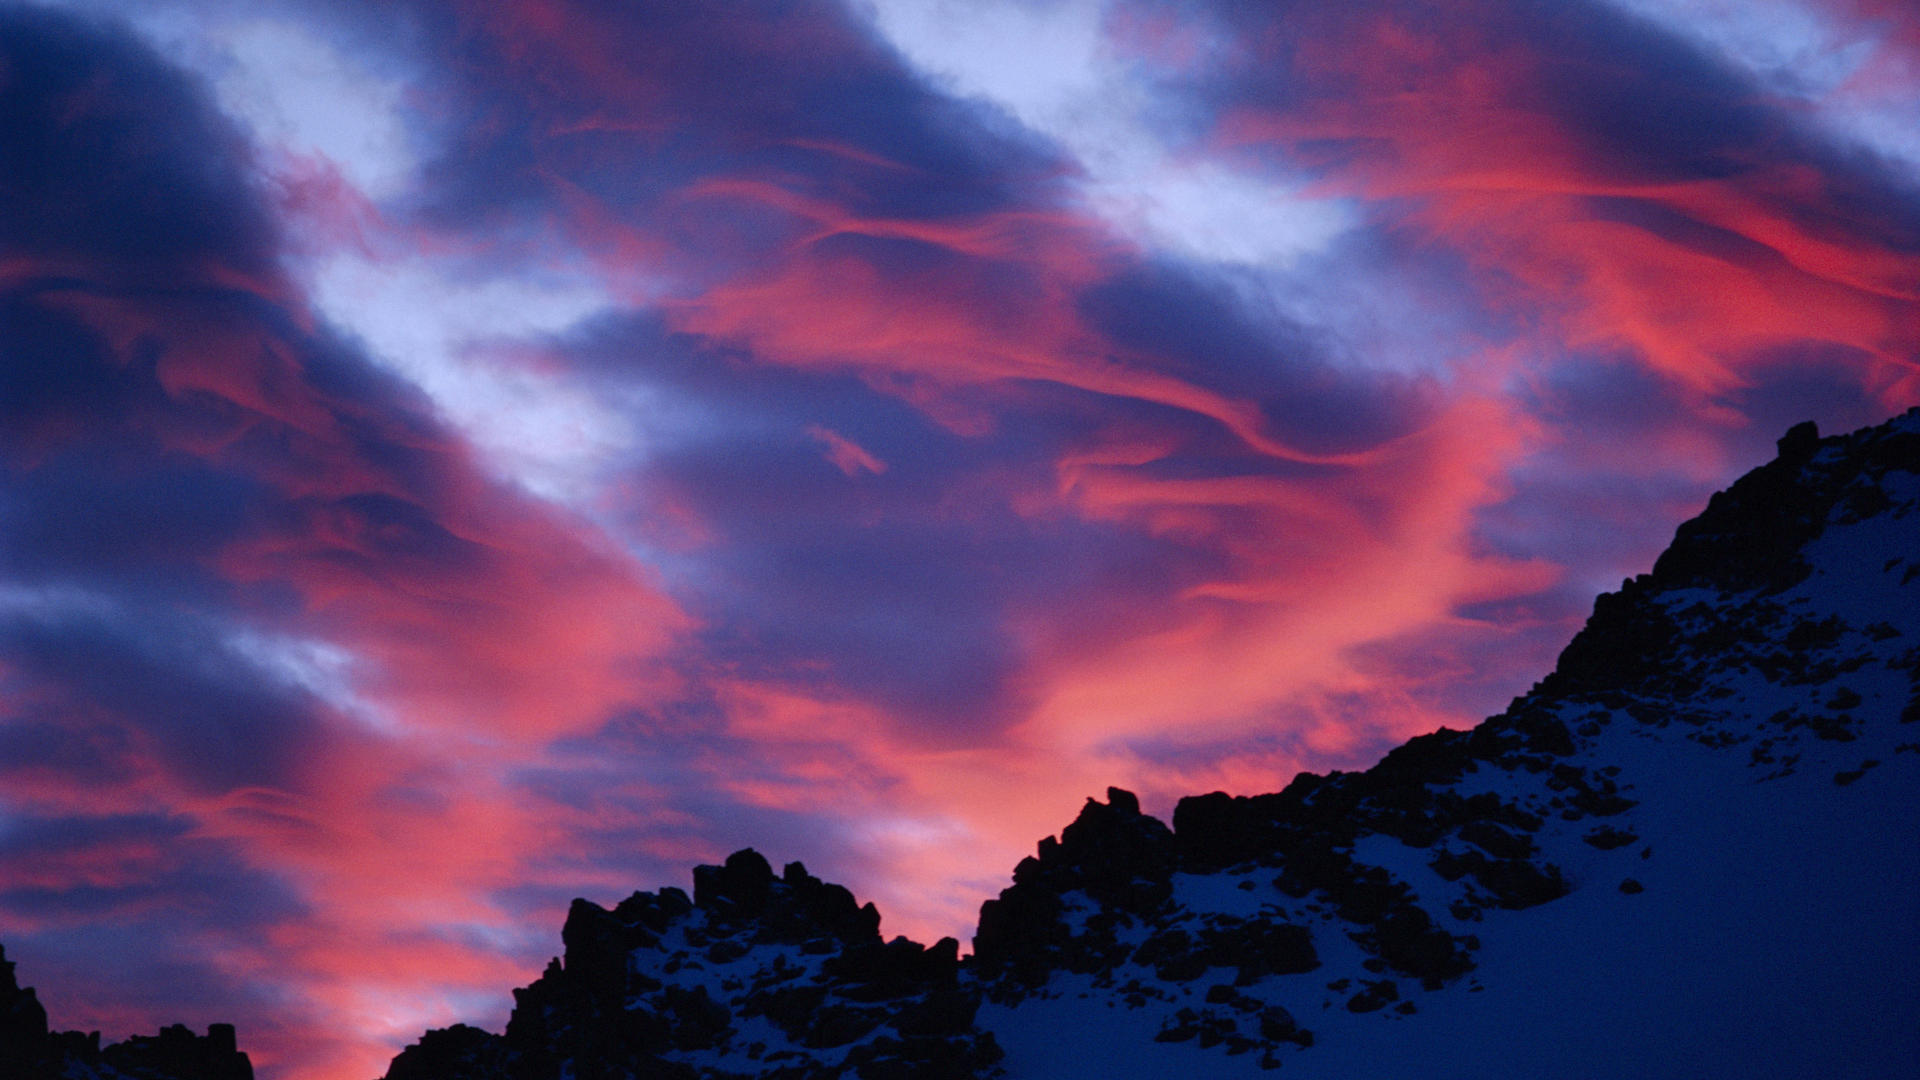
[(1689, 851)]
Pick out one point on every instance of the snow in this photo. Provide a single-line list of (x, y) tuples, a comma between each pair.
[(1776, 928), (1776, 937)]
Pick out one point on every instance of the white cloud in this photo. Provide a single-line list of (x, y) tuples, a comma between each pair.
[(296, 87), (301, 93), (320, 668), (1049, 64), (471, 345), (1800, 51), (304, 88), (55, 602)]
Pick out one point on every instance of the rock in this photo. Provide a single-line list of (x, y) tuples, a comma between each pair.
[(456, 1053), (875, 972), (1278, 1025), (177, 1052), (838, 1025), (1215, 830), (1606, 838), (29, 1050), (1496, 841), (1375, 996), (1259, 948), (739, 887), (1409, 942), (23, 1021), (1797, 446), (1520, 884), (947, 1011)]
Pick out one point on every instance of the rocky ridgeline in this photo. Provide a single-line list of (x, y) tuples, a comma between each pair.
[(1803, 578), (1359, 891), (756, 975), (29, 1051)]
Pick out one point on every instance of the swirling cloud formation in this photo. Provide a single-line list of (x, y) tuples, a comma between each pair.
[(456, 456)]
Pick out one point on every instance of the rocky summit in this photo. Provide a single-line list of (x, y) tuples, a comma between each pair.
[(30, 1051), (754, 975), (1687, 851)]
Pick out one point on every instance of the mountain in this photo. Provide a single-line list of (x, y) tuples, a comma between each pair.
[(1688, 851), (29, 1051)]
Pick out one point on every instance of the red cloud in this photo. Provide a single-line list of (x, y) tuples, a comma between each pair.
[(1257, 608), (1446, 135), (847, 456)]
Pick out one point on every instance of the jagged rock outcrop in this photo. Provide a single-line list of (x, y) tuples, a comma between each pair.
[(1113, 855), (30, 1051), (1771, 658), (755, 975)]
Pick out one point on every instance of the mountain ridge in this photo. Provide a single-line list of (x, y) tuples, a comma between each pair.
[(1252, 894), (30, 1050)]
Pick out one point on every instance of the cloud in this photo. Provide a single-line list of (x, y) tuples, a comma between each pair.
[(1634, 190), (115, 156), (661, 429), (1083, 74), (265, 625), (846, 455)]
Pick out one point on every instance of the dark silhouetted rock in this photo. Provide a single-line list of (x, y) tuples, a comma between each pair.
[(455, 1053), (1375, 995), (739, 887), (30, 1051)]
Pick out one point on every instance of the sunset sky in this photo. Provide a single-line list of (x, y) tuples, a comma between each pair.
[(460, 455)]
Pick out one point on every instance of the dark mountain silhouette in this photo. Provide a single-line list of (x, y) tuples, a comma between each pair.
[(29, 1051), (1687, 851)]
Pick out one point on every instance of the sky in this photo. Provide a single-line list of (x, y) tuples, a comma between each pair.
[(460, 455)]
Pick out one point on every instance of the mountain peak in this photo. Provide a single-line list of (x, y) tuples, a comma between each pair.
[(1705, 809), (30, 1051)]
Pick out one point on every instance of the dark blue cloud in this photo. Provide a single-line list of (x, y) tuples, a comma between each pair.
[(54, 379), (120, 491), (1189, 323), (632, 103), (88, 518), (126, 976), (216, 719), (133, 916), (903, 588), (124, 876), (145, 528), (115, 161), (1638, 103), (46, 742), (643, 789), (111, 153)]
